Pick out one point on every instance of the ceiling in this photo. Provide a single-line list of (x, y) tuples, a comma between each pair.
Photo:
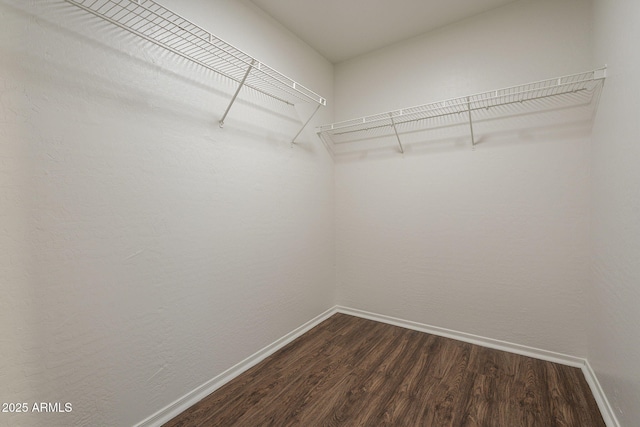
[(343, 29)]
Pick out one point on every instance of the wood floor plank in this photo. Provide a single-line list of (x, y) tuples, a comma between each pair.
[(349, 371), (380, 353), (396, 395), (247, 391), (293, 372), (481, 401)]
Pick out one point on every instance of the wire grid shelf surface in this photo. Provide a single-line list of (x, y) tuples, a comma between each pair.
[(569, 86), (165, 28)]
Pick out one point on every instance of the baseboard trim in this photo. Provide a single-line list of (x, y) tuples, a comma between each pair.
[(173, 409), (523, 350), (598, 393), (193, 397)]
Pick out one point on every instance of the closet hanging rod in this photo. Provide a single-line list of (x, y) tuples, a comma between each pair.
[(464, 108), (564, 85), (157, 24)]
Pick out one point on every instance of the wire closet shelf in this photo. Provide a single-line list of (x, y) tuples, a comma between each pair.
[(161, 26), (577, 88)]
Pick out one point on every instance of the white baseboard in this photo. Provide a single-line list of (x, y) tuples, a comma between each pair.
[(170, 411), (523, 350), (598, 393), (193, 397), (601, 399)]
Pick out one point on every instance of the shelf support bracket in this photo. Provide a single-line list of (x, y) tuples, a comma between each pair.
[(473, 141), (235, 95), (396, 132), (293, 141), (326, 144)]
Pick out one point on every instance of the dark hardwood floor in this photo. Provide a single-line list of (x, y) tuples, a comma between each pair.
[(349, 371)]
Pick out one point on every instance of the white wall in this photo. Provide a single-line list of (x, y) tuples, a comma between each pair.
[(144, 249), (614, 315), (492, 241)]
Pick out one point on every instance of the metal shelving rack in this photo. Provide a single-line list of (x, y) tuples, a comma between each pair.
[(575, 89), (160, 26)]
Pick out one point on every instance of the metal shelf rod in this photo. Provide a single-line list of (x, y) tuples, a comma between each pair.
[(397, 136), (576, 89), (169, 30), (173, 50), (461, 101), (473, 141), (336, 126), (305, 124), (235, 95)]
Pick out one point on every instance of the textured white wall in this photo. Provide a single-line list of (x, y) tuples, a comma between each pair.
[(614, 315), (492, 241), (144, 249)]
